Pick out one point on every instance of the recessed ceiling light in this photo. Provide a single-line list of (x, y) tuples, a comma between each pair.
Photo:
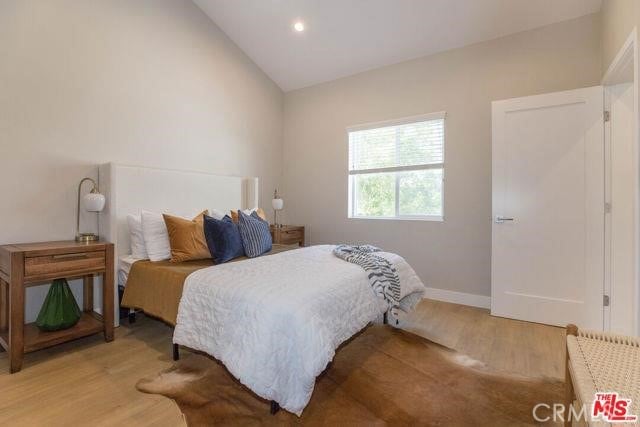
[(298, 26)]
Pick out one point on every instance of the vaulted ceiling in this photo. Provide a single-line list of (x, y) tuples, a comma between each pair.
[(344, 37)]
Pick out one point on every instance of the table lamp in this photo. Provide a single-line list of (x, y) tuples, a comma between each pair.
[(277, 203), (91, 202)]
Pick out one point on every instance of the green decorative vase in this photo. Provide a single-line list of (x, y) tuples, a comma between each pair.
[(60, 310)]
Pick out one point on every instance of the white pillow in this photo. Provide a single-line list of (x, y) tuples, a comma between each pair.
[(156, 237), (215, 213), (138, 248)]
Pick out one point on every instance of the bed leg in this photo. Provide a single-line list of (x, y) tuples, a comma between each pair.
[(176, 352), (385, 318), (132, 316), (275, 407)]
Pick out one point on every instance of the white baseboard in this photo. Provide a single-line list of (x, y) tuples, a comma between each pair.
[(472, 300)]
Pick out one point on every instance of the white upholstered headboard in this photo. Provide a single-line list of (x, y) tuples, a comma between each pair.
[(131, 189)]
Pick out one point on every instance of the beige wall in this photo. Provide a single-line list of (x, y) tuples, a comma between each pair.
[(618, 19), (454, 254), (144, 82)]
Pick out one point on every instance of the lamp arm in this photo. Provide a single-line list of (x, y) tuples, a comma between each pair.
[(94, 189)]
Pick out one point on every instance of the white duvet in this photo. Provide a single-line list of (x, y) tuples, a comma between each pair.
[(275, 321)]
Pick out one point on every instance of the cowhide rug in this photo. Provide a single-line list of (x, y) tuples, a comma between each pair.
[(382, 376)]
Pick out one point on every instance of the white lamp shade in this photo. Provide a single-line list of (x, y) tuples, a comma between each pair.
[(277, 204), (93, 202)]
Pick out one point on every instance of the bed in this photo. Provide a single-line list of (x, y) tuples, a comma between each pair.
[(275, 321)]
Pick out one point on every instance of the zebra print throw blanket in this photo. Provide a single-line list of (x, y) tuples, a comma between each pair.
[(382, 275)]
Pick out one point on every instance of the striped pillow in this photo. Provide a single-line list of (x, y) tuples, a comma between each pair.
[(254, 231)]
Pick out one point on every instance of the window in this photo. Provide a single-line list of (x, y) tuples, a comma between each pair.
[(396, 169)]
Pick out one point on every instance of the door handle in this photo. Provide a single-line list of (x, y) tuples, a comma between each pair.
[(501, 219)]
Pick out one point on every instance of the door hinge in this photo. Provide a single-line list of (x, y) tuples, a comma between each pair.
[(607, 116), (607, 207), (605, 300)]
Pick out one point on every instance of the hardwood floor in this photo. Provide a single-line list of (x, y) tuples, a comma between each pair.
[(513, 346), (92, 382)]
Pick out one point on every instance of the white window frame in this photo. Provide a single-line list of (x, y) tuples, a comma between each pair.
[(351, 207)]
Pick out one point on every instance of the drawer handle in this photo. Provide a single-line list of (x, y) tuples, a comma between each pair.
[(68, 256)]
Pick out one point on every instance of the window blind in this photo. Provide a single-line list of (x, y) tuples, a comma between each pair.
[(397, 146)]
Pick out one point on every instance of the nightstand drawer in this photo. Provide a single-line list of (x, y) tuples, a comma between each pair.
[(287, 234), (50, 266), (290, 236)]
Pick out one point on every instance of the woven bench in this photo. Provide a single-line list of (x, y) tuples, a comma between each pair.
[(601, 362)]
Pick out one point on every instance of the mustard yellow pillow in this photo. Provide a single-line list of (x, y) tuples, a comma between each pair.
[(259, 211), (186, 238)]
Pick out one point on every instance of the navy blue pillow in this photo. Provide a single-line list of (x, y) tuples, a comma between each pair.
[(254, 231), (223, 239)]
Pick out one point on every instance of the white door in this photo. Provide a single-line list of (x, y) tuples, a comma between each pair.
[(547, 261)]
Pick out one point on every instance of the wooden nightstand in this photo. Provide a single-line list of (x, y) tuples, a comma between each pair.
[(288, 234), (30, 264)]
